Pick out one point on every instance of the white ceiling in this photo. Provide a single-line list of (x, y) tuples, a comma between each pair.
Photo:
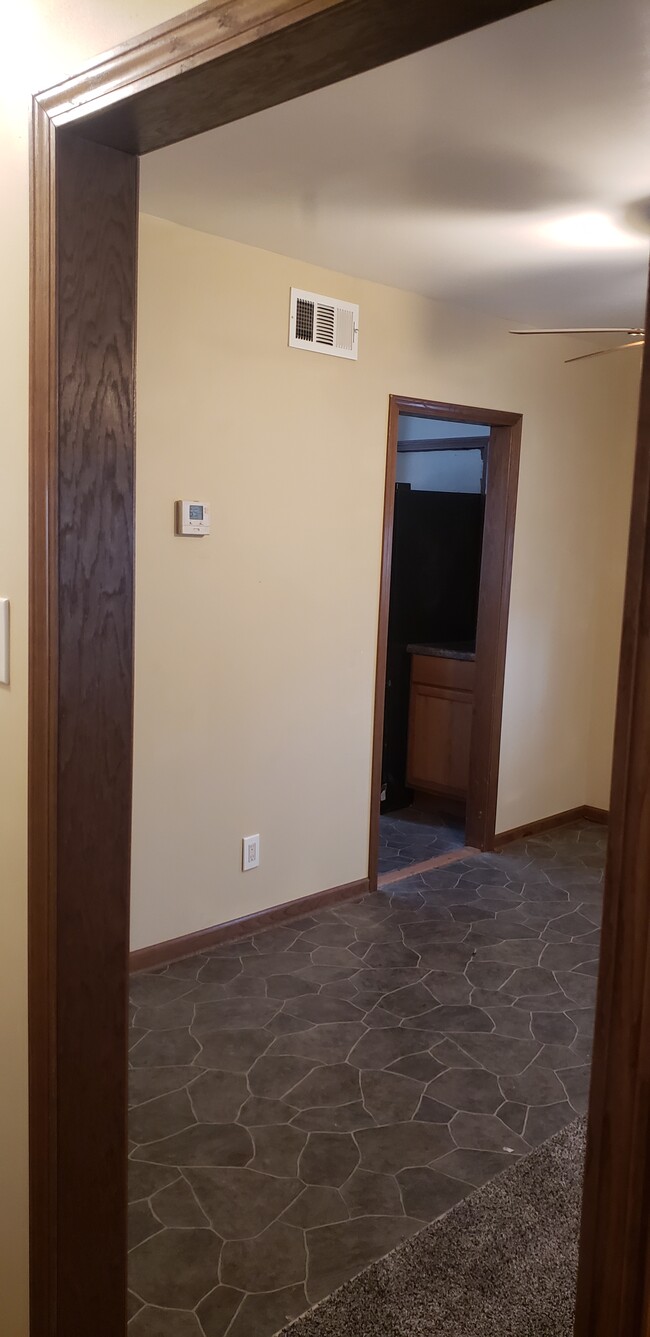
[(505, 170)]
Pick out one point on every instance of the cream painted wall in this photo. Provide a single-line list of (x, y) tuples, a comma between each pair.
[(46, 40), (255, 648)]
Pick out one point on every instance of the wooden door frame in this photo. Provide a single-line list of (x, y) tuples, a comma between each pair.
[(219, 62), (502, 460)]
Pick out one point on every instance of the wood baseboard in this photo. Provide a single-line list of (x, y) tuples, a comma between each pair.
[(163, 953), (581, 814)]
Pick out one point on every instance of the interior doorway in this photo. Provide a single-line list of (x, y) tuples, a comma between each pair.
[(449, 513)]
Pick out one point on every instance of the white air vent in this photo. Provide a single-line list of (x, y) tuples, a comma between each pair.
[(323, 324)]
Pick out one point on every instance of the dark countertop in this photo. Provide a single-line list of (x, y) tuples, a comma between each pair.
[(441, 651)]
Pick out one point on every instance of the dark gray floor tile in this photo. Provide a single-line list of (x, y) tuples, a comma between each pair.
[(263, 1315), (175, 1268), (327, 1043), (576, 1085), (534, 1086), (218, 1309), (258, 1111), (155, 990), (143, 1179), (169, 1017), (164, 1323), (147, 1083), (474, 1167), (500, 1054), (338, 1252), (422, 1067), (204, 1144), (419, 998), (316, 1206), (133, 1305), (513, 1116), (486, 1132), (233, 1051), (369, 1194), (219, 970), (390, 1097), (161, 1116), (161, 1049), (328, 1159), (333, 1084), (379, 1048), (469, 1089), (427, 1194), (334, 1118), (277, 1150), (545, 1120), (177, 1206), (239, 1203), (391, 1149), (553, 1028), (273, 1260), (142, 1223), (217, 1097)]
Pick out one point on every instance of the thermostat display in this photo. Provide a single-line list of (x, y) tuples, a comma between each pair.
[(192, 518)]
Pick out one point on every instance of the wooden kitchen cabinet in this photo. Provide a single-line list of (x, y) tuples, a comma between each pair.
[(441, 710)]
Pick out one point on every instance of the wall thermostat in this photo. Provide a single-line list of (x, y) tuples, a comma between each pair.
[(192, 518)]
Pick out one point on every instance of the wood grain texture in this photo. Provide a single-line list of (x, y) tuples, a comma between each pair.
[(95, 285), (175, 949), (492, 630), (43, 722), (614, 1273), (232, 58), (382, 639)]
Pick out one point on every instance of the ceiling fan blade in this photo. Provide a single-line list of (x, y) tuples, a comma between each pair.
[(594, 329), (600, 352)]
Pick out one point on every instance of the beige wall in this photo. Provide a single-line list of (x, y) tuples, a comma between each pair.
[(46, 40), (255, 648)]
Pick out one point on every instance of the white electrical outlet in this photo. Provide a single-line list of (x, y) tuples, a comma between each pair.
[(250, 852)]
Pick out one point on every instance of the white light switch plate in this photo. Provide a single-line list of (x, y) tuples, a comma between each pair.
[(4, 640)]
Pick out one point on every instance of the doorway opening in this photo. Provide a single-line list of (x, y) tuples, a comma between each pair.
[(449, 511)]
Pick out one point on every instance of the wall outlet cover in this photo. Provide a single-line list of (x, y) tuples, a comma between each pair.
[(250, 853)]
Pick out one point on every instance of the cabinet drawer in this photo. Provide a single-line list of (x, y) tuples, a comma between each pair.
[(432, 671)]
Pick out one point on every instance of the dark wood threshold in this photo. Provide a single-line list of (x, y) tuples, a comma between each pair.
[(581, 814), (163, 953)]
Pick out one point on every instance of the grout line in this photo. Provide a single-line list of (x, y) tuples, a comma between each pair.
[(440, 861)]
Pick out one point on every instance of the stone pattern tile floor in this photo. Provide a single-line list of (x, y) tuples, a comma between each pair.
[(411, 836), (305, 1099)]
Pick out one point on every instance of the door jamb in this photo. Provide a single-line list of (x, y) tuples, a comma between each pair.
[(502, 468)]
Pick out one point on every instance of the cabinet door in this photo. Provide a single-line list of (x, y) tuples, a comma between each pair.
[(440, 731)]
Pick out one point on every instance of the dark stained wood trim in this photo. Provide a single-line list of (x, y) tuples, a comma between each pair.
[(502, 454), (81, 684), (43, 726), (231, 58), (614, 1274), (598, 815), (191, 944), (502, 472), (382, 639), (219, 62), (583, 813)]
